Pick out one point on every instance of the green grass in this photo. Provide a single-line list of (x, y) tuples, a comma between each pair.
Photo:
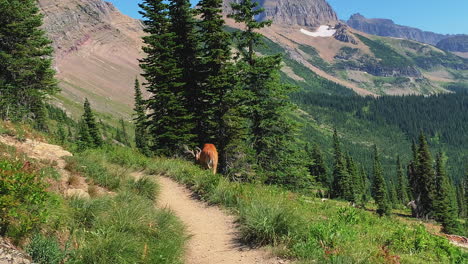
[(388, 56), (305, 228), (45, 250), (124, 227), (316, 60), (309, 229), (23, 195)]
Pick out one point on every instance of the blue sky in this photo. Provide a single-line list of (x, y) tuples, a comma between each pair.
[(441, 16)]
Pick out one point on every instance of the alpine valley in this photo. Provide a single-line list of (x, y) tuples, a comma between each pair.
[(97, 51), (234, 131)]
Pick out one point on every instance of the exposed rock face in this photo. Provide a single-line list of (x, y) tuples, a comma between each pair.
[(456, 44), (71, 23), (387, 28), (342, 34), (9, 254), (309, 13), (96, 52)]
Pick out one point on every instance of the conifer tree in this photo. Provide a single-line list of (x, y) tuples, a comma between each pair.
[(91, 125), (246, 12), (84, 138), (365, 187), (169, 120), (411, 174), (186, 54), (272, 130), (379, 189), (219, 105), (26, 74), (124, 138), (462, 197), (318, 168), (402, 185), (141, 134), (392, 194), (215, 53), (444, 210), (424, 183), (340, 174), (61, 134), (353, 191)]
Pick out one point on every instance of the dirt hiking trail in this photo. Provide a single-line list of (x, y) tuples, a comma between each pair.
[(213, 233)]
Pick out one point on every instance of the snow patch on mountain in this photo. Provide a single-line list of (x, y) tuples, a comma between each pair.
[(322, 31)]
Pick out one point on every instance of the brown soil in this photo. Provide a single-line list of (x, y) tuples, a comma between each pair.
[(68, 184), (214, 234)]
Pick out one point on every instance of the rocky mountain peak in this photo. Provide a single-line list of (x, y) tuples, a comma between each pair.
[(456, 43), (309, 13), (357, 16)]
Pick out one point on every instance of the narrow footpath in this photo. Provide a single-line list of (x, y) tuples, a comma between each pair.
[(214, 235)]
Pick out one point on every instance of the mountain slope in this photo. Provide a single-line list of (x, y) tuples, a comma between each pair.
[(370, 65), (96, 49), (388, 28)]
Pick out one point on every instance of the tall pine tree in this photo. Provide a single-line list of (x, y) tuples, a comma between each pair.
[(423, 180), (379, 189), (26, 74), (186, 54), (341, 182), (365, 187), (392, 194), (218, 105), (402, 183), (444, 210), (277, 155), (169, 119), (141, 134), (84, 138), (318, 168), (353, 192), (91, 125)]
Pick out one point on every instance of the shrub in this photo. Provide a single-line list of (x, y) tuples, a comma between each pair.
[(417, 240), (22, 200)]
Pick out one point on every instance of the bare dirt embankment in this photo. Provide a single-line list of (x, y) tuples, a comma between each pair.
[(69, 184), (214, 234)]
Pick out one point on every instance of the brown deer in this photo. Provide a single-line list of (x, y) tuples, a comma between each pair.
[(206, 157)]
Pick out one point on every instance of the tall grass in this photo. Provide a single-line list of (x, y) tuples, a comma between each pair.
[(124, 227), (310, 230), (301, 226)]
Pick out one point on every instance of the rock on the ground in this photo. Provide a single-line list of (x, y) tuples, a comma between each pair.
[(9, 254), (78, 193), (342, 34)]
